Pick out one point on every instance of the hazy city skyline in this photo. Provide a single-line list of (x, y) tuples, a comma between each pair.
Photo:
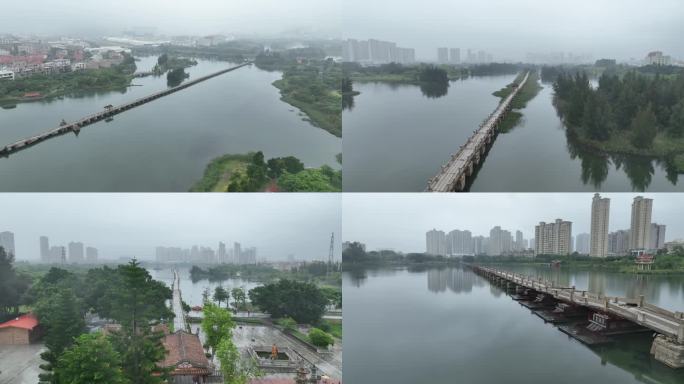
[(609, 28), (400, 221), (202, 17), (127, 225)]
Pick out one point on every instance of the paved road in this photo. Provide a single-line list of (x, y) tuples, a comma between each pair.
[(19, 364)]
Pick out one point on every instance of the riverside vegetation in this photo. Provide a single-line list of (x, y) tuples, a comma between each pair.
[(526, 93), (310, 82), (115, 78), (251, 173), (635, 112)]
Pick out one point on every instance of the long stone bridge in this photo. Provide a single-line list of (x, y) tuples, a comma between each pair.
[(179, 321), (108, 112), (453, 175), (668, 345)]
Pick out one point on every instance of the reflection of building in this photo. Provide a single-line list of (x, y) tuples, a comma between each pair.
[(457, 280), (640, 229), (600, 212), (657, 237), (553, 238), (435, 242)]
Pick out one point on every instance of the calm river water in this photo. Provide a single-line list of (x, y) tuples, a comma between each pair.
[(164, 145), (192, 291), (396, 138), (451, 326)]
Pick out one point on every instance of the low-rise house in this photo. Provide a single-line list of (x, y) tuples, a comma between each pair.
[(185, 356), (6, 74), (22, 330)]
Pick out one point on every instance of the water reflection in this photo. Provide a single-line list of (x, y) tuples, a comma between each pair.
[(459, 324), (434, 90), (347, 102), (456, 280)]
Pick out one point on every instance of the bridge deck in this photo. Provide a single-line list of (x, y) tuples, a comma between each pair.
[(179, 322), (107, 113), (636, 310), (452, 171)]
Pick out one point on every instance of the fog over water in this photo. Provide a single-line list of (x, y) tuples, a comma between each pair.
[(620, 29), (399, 221), (127, 225), (200, 17)]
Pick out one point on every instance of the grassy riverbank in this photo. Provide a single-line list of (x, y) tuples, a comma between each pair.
[(250, 173), (116, 78), (528, 92), (310, 83)]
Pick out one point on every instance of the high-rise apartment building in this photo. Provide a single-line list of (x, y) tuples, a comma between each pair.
[(76, 252), (600, 212), (640, 229), (618, 243), (7, 242), (500, 242), (442, 55), (44, 249), (222, 255), (582, 242), (455, 55), (459, 243), (435, 242), (553, 238), (58, 255), (657, 237), (519, 246), (91, 254)]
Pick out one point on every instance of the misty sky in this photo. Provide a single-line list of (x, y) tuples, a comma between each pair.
[(133, 224), (619, 29), (399, 221), (173, 17)]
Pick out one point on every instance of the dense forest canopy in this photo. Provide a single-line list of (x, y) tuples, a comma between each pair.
[(637, 105)]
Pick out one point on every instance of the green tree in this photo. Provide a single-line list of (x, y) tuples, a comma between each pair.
[(135, 302), (354, 253), (644, 128), (217, 324), (61, 316), (676, 123), (304, 302), (90, 360), (12, 285), (320, 338), (310, 180), (220, 294), (240, 298)]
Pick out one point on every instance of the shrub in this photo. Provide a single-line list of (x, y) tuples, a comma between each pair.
[(320, 338)]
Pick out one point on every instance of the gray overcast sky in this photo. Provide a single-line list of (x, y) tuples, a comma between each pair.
[(264, 17), (399, 221), (133, 224), (605, 28)]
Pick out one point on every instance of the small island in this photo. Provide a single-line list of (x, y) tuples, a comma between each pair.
[(251, 173)]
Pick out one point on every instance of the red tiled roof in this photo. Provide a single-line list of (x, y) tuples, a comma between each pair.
[(183, 347), (27, 321)]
